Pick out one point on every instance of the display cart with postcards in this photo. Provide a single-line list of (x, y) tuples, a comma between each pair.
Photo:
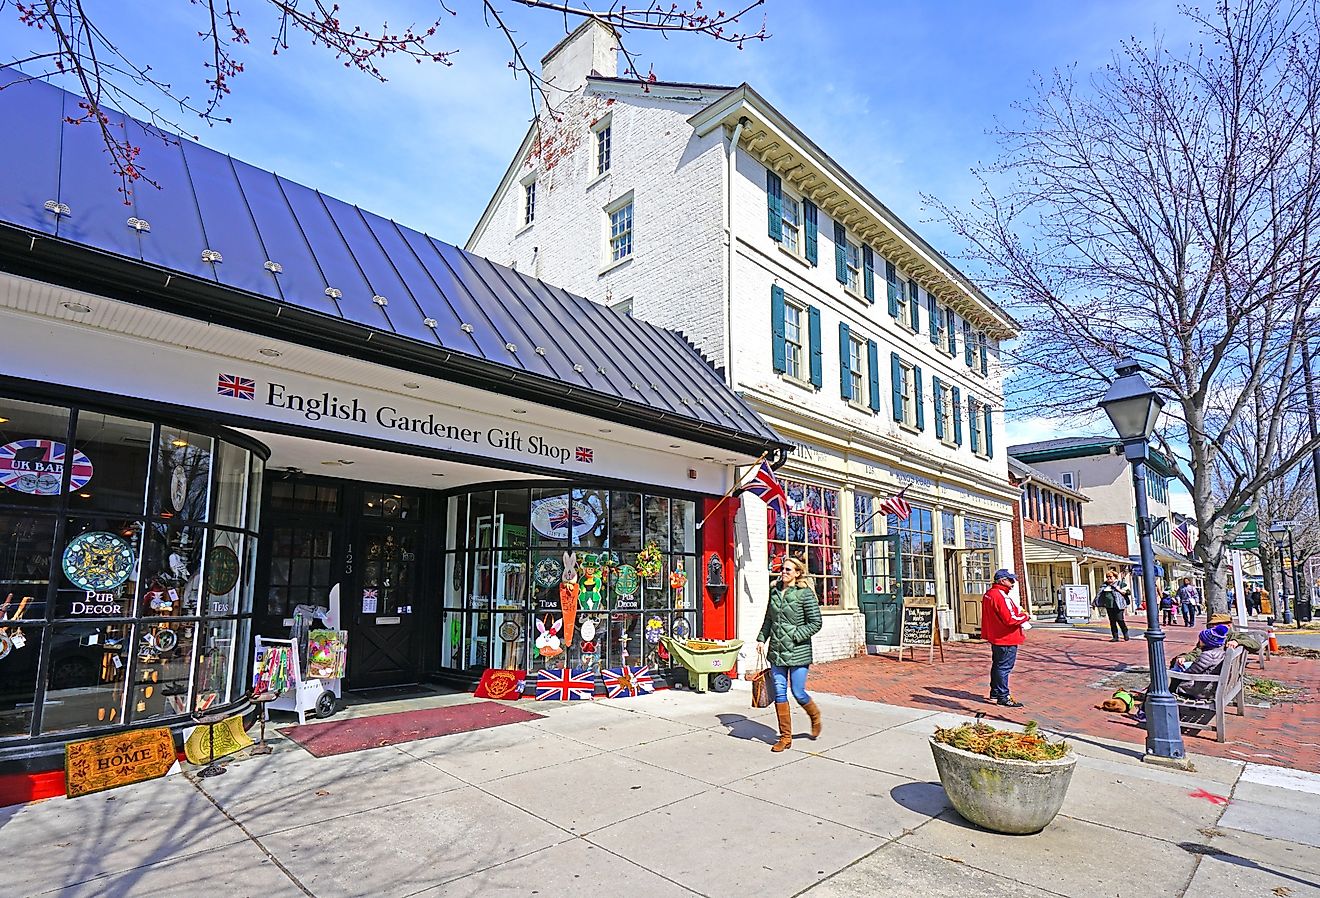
[(299, 685)]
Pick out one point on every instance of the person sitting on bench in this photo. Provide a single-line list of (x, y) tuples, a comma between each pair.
[(1206, 658)]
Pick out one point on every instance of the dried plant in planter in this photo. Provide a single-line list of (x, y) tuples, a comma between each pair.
[(983, 739)]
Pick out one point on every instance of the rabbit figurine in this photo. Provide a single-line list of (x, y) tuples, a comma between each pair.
[(568, 595), (547, 640)]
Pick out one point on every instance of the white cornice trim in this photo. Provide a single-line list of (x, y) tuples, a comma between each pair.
[(842, 197)]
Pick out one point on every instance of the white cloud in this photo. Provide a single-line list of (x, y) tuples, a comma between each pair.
[(1038, 428)]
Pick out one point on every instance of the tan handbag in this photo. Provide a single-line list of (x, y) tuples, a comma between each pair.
[(763, 685)]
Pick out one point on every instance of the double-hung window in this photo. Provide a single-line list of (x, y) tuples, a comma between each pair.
[(793, 340), (604, 139), (790, 213), (857, 370), (909, 387), (902, 300), (621, 230), (854, 262), (947, 412), (529, 202), (974, 415)]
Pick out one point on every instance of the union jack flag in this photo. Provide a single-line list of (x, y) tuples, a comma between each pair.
[(564, 685), (630, 682), (565, 519), (764, 485), (1183, 534), (585, 454), (897, 506), (236, 387)]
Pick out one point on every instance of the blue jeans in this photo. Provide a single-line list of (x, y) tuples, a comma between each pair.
[(786, 677), (1002, 659)]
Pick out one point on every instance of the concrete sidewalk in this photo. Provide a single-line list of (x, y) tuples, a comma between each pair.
[(673, 794)]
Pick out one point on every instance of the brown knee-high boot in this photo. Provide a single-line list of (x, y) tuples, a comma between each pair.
[(785, 727), (814, 713)]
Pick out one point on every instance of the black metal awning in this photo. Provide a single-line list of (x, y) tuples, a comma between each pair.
[(225, 242)]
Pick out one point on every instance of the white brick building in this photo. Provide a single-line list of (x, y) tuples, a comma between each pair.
[(704, 209)]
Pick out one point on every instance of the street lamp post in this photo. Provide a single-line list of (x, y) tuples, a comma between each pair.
[(1134, 407), (1279, 531)]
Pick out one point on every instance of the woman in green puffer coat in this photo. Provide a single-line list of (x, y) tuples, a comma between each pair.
[(791, 618)]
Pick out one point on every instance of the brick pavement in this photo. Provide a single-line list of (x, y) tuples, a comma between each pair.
[(1055, 678)]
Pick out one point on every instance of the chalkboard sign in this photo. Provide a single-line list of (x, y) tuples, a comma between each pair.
[(918, 625)]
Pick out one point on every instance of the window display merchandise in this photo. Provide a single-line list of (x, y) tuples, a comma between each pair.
[(126, 561)]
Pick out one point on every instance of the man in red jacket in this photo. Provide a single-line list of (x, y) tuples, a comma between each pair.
[(1003, 625)]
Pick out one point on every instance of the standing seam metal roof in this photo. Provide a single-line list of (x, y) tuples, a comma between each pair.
[(276, 240)]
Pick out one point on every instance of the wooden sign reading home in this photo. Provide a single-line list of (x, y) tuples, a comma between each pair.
[(94, 765)]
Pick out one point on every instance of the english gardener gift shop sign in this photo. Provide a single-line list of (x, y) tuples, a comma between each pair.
[(440, 417)]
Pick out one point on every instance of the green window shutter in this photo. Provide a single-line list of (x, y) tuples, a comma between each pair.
[(914, 306), (953, 332), (845, 344), (868, 273), (891, 285), (974, 421), (873, 369), (933, 310), (777, 328), (774, 199), (983, 346), (968, 348), (918, 398), (840, 253), (809, 214), (896, 374), (989, 432), (957, 416), (937, 391), (813, 330)]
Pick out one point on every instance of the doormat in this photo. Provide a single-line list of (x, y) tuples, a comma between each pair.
[(338, 737)]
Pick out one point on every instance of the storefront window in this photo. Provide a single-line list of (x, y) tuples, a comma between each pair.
[(32, 455), (108, 563), (504, 603), (864, 516), (916, 541), (948, 528), (811, 528), (979, 566)]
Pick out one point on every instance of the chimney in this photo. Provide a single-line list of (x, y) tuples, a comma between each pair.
[(592, 48)]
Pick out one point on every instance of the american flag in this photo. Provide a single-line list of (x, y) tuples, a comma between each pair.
[(897, 506), (236, 387), (630, 682), (564, 685), (585, 454), (764, 485), (1183, 534)]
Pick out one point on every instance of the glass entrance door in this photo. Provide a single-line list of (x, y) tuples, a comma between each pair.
[(383, 648), (975, 567), (880, 587)]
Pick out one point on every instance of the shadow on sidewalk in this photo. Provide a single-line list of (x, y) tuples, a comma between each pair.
[(742, 727), (923, 798), (1239, 861)]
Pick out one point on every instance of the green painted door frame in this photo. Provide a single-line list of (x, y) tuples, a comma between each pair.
[(880, 588)]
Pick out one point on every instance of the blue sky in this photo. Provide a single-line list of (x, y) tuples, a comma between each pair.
[(902, 94)]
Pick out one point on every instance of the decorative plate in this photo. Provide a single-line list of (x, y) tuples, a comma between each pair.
[(548, 572), (557, 518), (36, 467), (655, 628), (222, 570), (178, 487), (681, 629), (5, 645), (98, 561), (510, 630), (625, 580)]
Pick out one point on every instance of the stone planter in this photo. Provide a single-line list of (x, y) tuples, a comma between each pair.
[(1003, 796)]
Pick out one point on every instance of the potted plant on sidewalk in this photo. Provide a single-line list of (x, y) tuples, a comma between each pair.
[(1001, 780)]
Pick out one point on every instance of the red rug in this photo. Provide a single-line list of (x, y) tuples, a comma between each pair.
[(337, 737)]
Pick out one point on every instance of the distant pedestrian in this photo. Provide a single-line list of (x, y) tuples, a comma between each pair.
[(1188, 601), (1003, 625), (791, 618), (1166, 604), (1114, 597)]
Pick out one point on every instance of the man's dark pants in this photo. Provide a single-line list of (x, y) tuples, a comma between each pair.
[(1002, 659)]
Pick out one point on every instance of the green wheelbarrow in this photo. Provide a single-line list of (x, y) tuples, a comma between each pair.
[(708, 661)]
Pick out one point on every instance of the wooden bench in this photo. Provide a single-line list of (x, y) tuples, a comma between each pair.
[(1230, 686), (1264, 654)]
